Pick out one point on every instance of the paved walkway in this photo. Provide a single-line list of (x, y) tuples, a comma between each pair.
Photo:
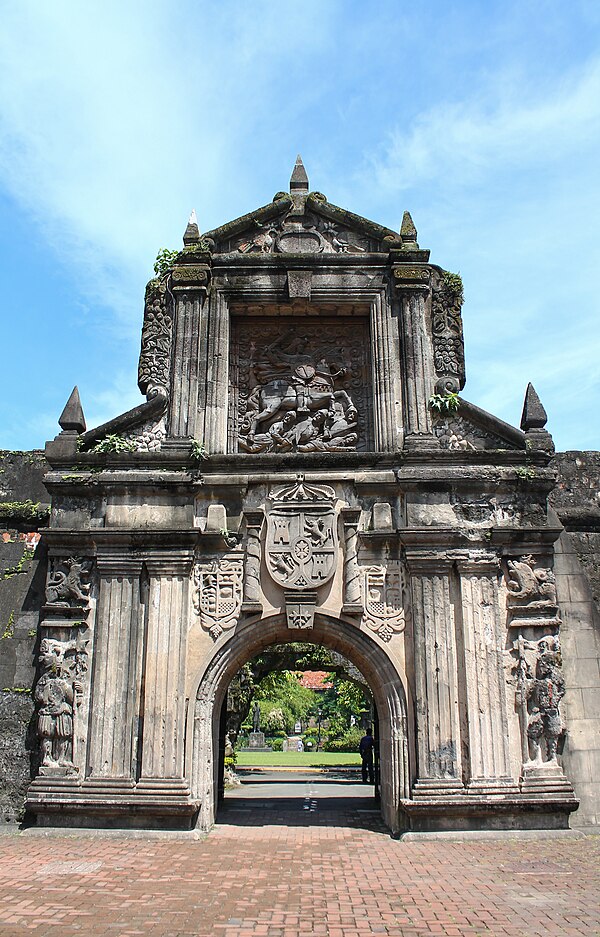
[(302, 856)]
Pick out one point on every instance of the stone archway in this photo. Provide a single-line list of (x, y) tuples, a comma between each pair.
[(251, 638)]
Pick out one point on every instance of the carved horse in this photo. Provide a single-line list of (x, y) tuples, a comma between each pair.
[(281, 396)]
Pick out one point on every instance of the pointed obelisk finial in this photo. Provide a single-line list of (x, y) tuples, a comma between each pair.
[(533, 421), (299, 179), (408, 232), (192, 234), (72, 418), (534, 416)]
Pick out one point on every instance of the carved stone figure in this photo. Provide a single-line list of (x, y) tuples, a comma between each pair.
[(539, 692), (67, 585), (297, 400), (530, 583), (58, 694), (383, 600), (301, 544), (218, 594)]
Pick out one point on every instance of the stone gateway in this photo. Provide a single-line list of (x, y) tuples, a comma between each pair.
[(304, 461)]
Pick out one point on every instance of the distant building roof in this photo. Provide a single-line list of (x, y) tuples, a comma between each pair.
[(315, 680)]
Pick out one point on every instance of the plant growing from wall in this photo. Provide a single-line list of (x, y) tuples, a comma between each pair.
[(198, 451), (114, 443), (164, 261), (444, 404), (454, 285), (24, 510)]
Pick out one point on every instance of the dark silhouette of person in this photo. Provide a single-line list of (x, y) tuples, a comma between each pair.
[(366, 753)]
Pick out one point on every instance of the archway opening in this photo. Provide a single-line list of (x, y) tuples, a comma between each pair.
[(294, 722), (334, 636)]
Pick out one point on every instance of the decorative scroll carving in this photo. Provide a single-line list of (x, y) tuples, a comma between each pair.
[(540, 688), (297, 391), (384, 600), (218, 594), (301, 546), (149, 436), (67, 585), (308, 235), (448, 344), (58, 694), (456, 433), (531, 592), (155, 356)]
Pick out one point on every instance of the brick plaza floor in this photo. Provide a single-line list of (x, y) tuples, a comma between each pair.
[(296, 858)]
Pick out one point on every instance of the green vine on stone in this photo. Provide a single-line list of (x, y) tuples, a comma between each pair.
[(24, 510), (198, 451), (114, 443), (526, 473), (454, 285), (9, 630), (164, 261), (444, 404)]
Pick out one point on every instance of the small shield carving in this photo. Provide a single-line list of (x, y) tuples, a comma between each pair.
[(302, 546)]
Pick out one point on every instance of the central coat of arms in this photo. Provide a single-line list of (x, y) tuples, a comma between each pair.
[(302, 536)]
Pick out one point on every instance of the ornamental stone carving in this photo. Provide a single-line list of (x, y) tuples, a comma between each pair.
[(68, 584), (300, 390), (58, 694), (302, 542), (540, 688), (448, 344), (308, 235), (155, 356), (531, 589), (383, 590), (218, 593)]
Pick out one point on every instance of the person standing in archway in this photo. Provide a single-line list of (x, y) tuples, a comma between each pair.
[(366, 753)]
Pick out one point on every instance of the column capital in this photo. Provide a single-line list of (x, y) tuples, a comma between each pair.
[(113, 562), (165, 563)]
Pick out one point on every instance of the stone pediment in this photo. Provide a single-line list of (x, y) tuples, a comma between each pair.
[(470, 429), (305, 225)]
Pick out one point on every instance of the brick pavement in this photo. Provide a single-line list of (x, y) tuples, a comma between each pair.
[(306, 866)]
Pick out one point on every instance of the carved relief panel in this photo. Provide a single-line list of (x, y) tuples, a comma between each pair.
[(302, 387)]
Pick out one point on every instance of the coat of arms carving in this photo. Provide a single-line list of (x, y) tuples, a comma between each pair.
[(218, 594), (384, 605), (302, 541)]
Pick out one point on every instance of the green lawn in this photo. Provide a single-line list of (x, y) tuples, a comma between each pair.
[(295, 759)]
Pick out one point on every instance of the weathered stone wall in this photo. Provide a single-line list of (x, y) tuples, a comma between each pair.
[(23, 510), (576, 500)]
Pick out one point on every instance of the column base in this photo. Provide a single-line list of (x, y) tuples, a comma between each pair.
[(545, 778), (437, 787), (113, 803), (466, 812)]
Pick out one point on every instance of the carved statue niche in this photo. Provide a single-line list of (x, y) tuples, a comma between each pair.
[(295, 392), (540, 689), (68, 582), (58, 694)]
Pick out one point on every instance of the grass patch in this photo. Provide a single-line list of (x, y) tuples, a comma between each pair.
[(298, 759)]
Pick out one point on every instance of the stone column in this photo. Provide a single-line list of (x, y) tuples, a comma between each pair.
[(439, 768), (116, 671), (252, 592), (163, 710), (353, 602), (183, 417), (417, 356), (217, 376), (482, 649)]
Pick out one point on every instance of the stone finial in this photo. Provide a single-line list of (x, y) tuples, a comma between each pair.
[(72, 418), (299, 179), (534, 416), (408, 232), (192, 233)]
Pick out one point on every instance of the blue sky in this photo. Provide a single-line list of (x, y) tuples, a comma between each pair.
[(118, 118)]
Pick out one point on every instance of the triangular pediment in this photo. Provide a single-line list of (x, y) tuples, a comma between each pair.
[(307, 224)]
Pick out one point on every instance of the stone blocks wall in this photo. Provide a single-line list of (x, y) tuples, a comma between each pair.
[(23, 510), (576, 500)]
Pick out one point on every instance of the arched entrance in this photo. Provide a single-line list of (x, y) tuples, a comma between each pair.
[(250, 639)]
